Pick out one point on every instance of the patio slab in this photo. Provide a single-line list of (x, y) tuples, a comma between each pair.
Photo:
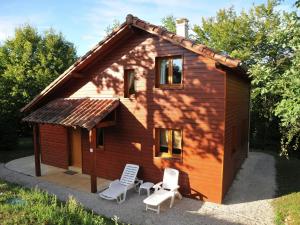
[(247, 202), (55, 175)]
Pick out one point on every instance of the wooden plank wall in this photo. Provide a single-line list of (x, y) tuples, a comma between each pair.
[(198, 109), (54, 145), (237, 118)]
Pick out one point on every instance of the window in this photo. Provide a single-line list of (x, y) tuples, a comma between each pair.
[(129, 83), (169, 143), (169, 71), (100, 137)]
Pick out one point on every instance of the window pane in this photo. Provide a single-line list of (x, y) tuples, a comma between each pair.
[(164, 67), (99, 136), (176, 136), (131, 86), (163, 140), (177, 71)]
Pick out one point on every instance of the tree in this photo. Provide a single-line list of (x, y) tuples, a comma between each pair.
[(28, 62), (169, 23), (282, 79), (110, 28)]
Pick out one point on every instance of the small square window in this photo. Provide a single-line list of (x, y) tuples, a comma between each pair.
[(169, 71), (169, 143), (100, 137)]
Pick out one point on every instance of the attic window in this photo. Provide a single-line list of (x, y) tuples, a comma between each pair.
[(129, 83), (169, 72)]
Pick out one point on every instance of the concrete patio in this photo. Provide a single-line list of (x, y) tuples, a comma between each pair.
[(247, 202), (56, 175)]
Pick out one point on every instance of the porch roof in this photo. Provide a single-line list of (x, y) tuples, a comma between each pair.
[(81, 112)]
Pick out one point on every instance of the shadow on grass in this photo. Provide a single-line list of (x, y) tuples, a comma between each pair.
[(23, 149), (288, 175)]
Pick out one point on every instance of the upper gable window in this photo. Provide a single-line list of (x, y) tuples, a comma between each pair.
[(129, 83), (169, 71)]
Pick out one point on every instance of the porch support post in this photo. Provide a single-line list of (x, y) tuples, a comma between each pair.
[(37, 150), (92, 136)]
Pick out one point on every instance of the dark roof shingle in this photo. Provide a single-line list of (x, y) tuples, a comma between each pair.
[(81, 112)]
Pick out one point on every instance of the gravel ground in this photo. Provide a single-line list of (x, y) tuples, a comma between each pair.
[(247, 202)]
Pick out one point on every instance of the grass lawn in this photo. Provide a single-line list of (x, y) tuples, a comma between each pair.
[(20, 205), (35, 206), (24, 148), (287, 204)]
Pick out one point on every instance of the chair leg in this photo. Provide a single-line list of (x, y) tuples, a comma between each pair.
[(121, 198), (172, 200), (179, 195), (158, 209)]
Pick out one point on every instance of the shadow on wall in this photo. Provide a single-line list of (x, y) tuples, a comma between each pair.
[(198, 109)]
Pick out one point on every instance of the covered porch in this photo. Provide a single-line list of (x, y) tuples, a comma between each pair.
[(73, 116), (78, 181)]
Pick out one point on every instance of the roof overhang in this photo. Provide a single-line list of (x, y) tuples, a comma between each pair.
[(74, 112)]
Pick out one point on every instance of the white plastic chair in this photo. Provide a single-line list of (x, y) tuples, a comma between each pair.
[(164, 190), (118, 188)]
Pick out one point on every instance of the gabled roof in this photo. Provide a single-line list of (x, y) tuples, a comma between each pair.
[(72, 112), (132, 21)]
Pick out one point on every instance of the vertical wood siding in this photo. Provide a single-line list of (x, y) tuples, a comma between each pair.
[(54, 145)]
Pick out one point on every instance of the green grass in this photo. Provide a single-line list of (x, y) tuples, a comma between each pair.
[(24, 148), (287, 209), (287, 203), (38, 207)]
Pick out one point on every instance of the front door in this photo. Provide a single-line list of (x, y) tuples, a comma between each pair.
[(76, 154)]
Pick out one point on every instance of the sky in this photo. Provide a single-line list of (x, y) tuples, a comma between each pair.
[(83, 22)]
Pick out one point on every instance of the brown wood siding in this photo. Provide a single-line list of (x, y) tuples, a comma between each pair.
[(197, 109), (236, 127), (54, 145)]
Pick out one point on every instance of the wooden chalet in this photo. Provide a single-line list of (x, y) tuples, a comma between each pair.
[(150, 97)]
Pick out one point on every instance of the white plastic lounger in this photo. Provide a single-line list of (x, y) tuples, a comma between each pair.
[(118, 188), (164, 190)]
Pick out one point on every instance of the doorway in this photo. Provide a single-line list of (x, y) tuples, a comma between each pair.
[(75, 159)]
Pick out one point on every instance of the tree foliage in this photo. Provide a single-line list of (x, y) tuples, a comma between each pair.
[(111, 27), (281, 78), (28, 62), (169, 23)]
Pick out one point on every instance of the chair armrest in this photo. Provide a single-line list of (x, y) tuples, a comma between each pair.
[(175, 188), (157, 186)]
